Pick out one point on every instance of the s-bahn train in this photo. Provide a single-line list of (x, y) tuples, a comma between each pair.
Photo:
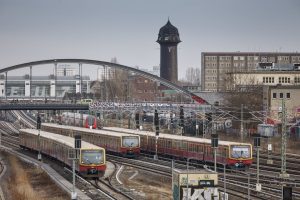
[(92, 159), (127, 145), (80, 120), (232, 154)]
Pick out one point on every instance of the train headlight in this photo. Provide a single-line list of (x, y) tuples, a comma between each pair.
[(236, 164)]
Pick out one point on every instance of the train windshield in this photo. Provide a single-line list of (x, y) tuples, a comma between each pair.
[(238, 151), (130, 141), (90, 120), (92, 157)]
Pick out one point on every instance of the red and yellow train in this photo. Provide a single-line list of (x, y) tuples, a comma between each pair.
[(92, 159), (232, 154), (80, 120), (127, 145)]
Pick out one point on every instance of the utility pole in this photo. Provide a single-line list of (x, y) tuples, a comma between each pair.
[(257, 145), (38, 126), (283, 173), (242, 124), (156, 126), (187, 179)]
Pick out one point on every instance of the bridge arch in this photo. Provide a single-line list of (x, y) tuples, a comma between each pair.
[(108, 64)]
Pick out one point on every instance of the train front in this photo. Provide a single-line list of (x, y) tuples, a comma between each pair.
[(240, 156), (90, 122), (130, 146), (92, 162)]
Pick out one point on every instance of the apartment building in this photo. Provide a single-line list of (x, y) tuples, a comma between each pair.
[(215, 65)]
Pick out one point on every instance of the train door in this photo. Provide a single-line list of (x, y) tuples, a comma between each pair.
[(168, 147), (162, 145), (208, 153), (184, 149)]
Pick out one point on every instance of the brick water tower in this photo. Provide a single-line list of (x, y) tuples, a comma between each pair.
[(168, 38)]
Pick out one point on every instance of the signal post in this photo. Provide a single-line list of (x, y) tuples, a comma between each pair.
[(156, 125)]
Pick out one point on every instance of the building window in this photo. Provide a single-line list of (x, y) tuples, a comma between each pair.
[(272, 79), (274, 95), (235, 58), (281, 95), (288, 95)]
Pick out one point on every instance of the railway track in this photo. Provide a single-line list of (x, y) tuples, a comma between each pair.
[(95, 190), (271, 185)]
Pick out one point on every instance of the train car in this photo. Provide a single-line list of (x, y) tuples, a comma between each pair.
[(127, 145), (92, 160), (266, 130), (232, 154), (80, 120)]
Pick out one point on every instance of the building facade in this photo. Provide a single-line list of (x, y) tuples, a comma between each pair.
[(42, 86), (290, 95), (215, 65), (236, 80)]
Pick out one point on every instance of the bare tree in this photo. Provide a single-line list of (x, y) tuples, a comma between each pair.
[(243, 89), (193, 75)]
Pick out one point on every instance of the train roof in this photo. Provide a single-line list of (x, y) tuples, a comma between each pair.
[(173, 136), (69, 141), (94, 131)]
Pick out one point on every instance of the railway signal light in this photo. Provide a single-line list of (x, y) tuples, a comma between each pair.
[(181, 116), (214, 140), (144, 116), (287, 193), (208, 117), (38, 122), (256, 140), (137, 120), (77, 145)]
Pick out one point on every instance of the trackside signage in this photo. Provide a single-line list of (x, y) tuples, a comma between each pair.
[(195, 185)]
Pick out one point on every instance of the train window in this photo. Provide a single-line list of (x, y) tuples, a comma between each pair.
[(176, 145), (208, 150), (184, 146), (163, 141), (169, 144), (190, 147)]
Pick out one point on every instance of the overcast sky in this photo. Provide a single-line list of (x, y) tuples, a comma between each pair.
[(32, 30)]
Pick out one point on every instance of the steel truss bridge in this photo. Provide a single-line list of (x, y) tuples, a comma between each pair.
[(105, 64)]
